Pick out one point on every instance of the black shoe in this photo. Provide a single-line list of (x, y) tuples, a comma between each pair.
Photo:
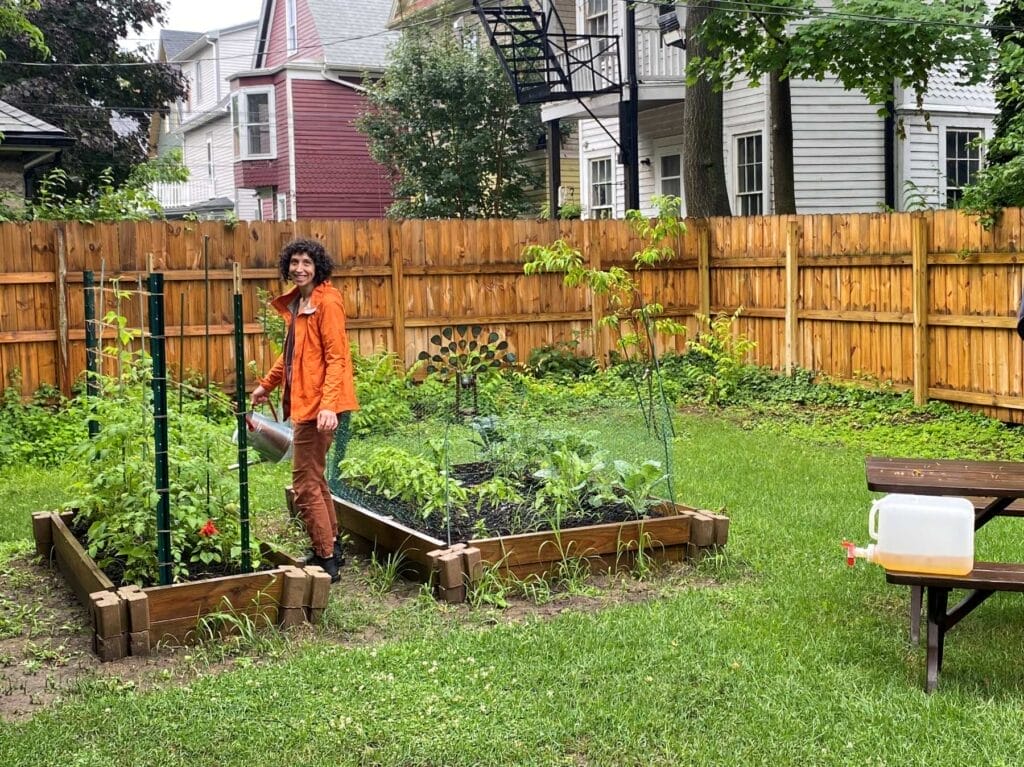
[(329, 565), (339, 555)]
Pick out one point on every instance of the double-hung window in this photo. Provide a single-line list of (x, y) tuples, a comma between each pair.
[(670, 175), (199, 81), (601, 188), (963, 161), (292, 25), (252, 122), (210, 169), (750, 175)]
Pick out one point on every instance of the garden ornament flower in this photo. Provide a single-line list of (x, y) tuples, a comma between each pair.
[(208, 529)]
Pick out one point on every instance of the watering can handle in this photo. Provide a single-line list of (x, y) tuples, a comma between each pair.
[(873, 522), (273, 410)]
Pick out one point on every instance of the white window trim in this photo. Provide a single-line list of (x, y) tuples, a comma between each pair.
[(956, 125), (291, 25), (239, 125), (281, 208), (667, 151), (611, 207), (737, 197), (211, 171)]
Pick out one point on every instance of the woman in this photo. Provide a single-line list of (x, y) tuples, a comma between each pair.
[(316, 372)]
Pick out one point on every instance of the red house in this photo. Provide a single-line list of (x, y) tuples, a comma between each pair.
[(293, 116)]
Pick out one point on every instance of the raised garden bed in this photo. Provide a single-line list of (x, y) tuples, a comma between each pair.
[(670, 533), (130, 620)]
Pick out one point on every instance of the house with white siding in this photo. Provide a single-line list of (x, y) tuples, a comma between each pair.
[(846, 156), (200, 124)]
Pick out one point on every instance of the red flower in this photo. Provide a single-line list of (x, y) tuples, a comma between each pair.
[(208, 529)]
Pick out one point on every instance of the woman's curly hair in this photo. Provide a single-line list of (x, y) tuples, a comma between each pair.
[(312, 248)]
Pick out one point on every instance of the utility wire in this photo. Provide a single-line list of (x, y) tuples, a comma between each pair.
[(740, 6)]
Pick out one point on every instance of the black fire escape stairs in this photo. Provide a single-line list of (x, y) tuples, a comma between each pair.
[(544, 63)]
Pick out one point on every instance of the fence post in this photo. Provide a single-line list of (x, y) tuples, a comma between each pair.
[(704, 268), (792, 295), (63, 371), (596, 302), (397, 296), (919, 263)]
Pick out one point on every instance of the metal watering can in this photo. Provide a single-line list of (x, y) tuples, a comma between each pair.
[(270, 438)]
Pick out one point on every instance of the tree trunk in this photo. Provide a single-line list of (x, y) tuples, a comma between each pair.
[(704, 191), (781, 107)]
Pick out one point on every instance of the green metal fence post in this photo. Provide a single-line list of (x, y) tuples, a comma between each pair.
[(157, 343), (240, 411)]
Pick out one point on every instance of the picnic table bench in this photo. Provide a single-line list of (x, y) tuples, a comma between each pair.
[(996, 488)]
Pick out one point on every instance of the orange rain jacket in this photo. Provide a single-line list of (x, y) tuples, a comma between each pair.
[(321, 361)]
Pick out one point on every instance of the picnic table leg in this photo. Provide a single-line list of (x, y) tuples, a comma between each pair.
[(915, 614), (937, 603)]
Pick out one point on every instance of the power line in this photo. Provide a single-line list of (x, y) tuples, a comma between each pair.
[(757, 9)]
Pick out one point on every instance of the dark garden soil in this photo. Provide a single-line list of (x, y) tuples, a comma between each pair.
[(488, 521), (46, 657)]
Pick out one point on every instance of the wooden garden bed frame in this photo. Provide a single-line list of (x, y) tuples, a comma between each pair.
[(131, 620), (672, 533)]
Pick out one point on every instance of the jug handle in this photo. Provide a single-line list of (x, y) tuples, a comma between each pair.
[(273, 410), (873, 521)]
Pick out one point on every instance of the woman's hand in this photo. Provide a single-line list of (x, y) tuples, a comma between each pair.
[(326, 420), (259, 396)]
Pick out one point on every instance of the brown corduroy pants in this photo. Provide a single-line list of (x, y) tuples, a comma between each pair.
[(312, 495)]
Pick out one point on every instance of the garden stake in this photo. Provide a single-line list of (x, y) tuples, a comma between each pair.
[(156, 342), (92, 348), (240, 411), (206, 282)]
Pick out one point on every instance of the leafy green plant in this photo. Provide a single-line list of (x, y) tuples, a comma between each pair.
[(495, 491), (560, 360), (115, 494), (570, 482), (412, 479), (718, 354), (490, 589), (382, 389), (635, 484)]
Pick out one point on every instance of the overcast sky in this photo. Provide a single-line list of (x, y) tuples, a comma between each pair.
[(201, 16)]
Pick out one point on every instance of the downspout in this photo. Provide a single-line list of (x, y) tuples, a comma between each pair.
[(890, 154), (629, 115)]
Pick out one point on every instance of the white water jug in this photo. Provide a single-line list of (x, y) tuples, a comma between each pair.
[(919, 534)]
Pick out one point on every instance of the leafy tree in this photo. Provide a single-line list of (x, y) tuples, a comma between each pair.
[(14, 24), (105, 200), (1001, 183), (870, 45), (445, 122), (85, 84)]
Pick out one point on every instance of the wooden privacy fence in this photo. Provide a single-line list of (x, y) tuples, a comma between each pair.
[(926, 301)]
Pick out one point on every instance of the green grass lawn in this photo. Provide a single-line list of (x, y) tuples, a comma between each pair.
[(790, 658)]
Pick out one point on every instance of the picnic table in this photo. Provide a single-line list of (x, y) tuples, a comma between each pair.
[(996, 489)]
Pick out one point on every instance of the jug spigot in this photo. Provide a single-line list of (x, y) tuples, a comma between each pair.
[(853, 551)]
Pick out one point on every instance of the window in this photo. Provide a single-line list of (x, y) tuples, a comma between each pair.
[(670, 175), (597, 17), (963, 161), (209, 157), (199, 81), (282, 207), (252, 122), (293, 26), (750, 175), (601, 188)]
